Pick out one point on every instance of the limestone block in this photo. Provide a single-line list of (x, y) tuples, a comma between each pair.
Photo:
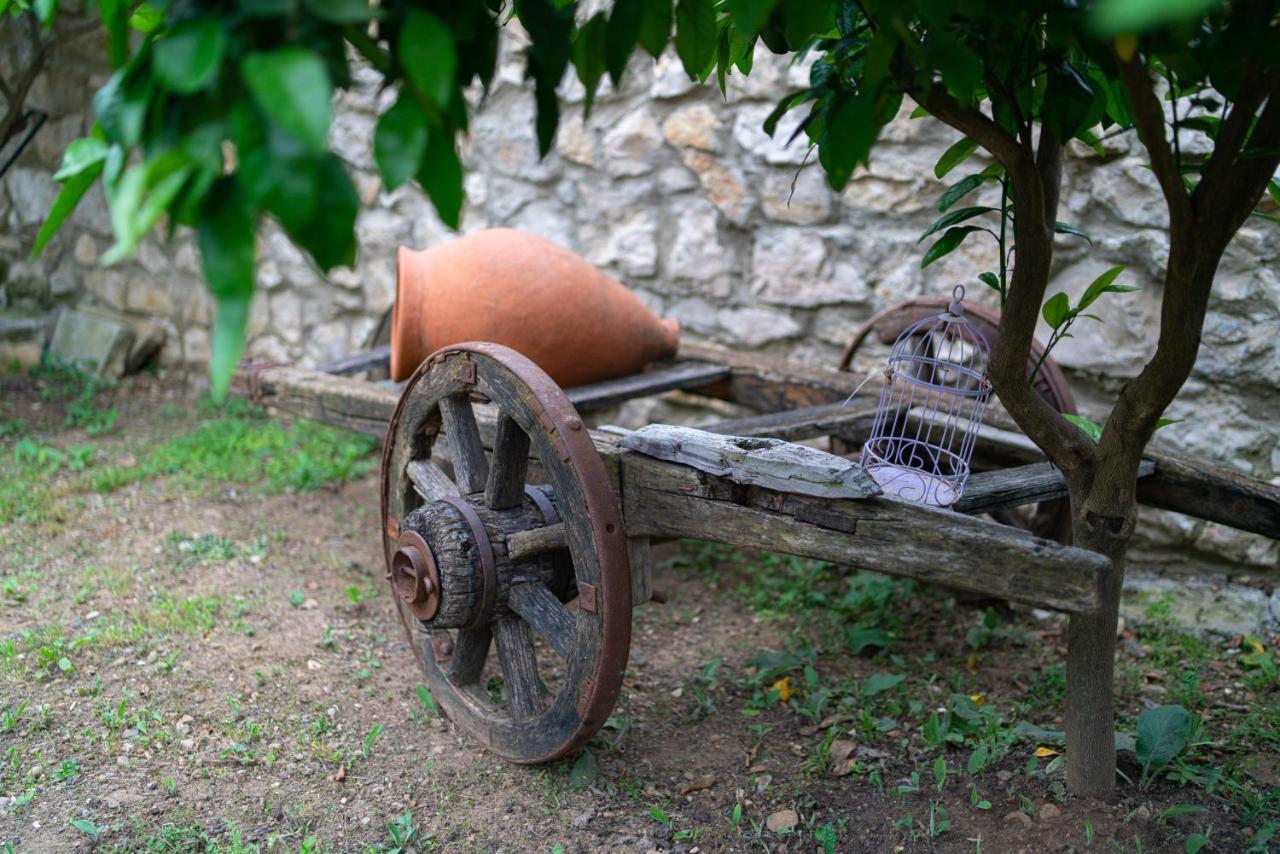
[(695, 126), (802, 198), (507, 196), (757, 326), (786, 265), (723, 186), (669, 77), (547, 219), (32, 192), (575, 141), (696, 252), (86, 250), (149, 296), (695, 314), (92, 341), (631, 144), (748, 132)]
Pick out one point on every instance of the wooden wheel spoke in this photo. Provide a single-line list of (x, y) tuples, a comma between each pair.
[(429, 480), (505, 486), (519, 667), (470, 468), (470, 650), (544, 612)]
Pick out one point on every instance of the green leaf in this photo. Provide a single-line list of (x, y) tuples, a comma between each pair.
[(188, 57), (115, 21), (1056, 310), (847, 138), (225, 232), (142, 196), (292, 89), (655, 26), (621, 36), (1105, 283), (584, 771), (959, 190), (695, 35), (341, 11), (428, 702), (81, 154), (45, 11), (979, 758), (956, 216), (441, 177), (68, 198), (954, 156), (146, 18), (1135, 16), (947, 243), (1163, 733), (400, 141), (1067, 228), (1071, 103), (878, 683), (1273, 190), (121, 107), (990, 280), (64, 664), (589, 56), (861, 638), (86, 826), (802, 20), (749, 16), (1165, 422), (1092, 429), (428, 55)]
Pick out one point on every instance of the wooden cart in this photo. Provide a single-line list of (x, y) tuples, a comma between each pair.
[(511, 528)]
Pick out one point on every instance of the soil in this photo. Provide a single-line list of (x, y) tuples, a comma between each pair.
[(248, 684)]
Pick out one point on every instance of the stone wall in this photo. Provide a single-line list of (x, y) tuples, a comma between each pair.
[(677, 191)]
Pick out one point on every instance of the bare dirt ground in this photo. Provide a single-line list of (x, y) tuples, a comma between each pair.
[(199, 654)]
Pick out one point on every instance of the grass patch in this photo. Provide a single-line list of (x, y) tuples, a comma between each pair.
[(239, 444), (233, 444)]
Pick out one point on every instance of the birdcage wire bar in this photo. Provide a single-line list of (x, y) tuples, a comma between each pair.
[(935, 391)]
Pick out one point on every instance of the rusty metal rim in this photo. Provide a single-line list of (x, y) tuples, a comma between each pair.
[(484, 549)]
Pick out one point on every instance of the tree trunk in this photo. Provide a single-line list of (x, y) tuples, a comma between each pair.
[(1103, 522)]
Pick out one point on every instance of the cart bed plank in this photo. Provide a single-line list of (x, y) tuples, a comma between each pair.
[(829, 419), (682, 375), (1014, 487), (887, 535)]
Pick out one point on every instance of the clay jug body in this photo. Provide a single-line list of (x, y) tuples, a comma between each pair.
[(517, 289)]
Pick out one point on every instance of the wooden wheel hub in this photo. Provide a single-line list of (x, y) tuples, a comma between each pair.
[(413, 575), (522, 632)]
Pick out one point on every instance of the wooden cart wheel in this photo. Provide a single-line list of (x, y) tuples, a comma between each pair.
[(482, 562), (1048, 519)]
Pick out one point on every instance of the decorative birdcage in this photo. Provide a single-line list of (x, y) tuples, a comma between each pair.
[(936, 388)]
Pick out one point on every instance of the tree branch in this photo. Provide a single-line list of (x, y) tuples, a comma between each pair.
[(1149, 121), (974, 124)]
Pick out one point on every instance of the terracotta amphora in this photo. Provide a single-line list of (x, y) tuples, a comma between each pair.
[(517, 289)]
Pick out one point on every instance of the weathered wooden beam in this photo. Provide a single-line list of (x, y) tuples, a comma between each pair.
[(682, 375), (661, 499), (344, 402), (1210, 492), (771, 463), (362, 360), (1013, 487), (851, 422), (769, 386)]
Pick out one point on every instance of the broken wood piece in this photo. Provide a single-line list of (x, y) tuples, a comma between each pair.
[(770, 463)]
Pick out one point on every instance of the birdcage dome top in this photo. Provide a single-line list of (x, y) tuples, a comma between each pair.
[(944, 352)]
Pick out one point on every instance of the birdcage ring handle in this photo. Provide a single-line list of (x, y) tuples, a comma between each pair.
[(956, 309)]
